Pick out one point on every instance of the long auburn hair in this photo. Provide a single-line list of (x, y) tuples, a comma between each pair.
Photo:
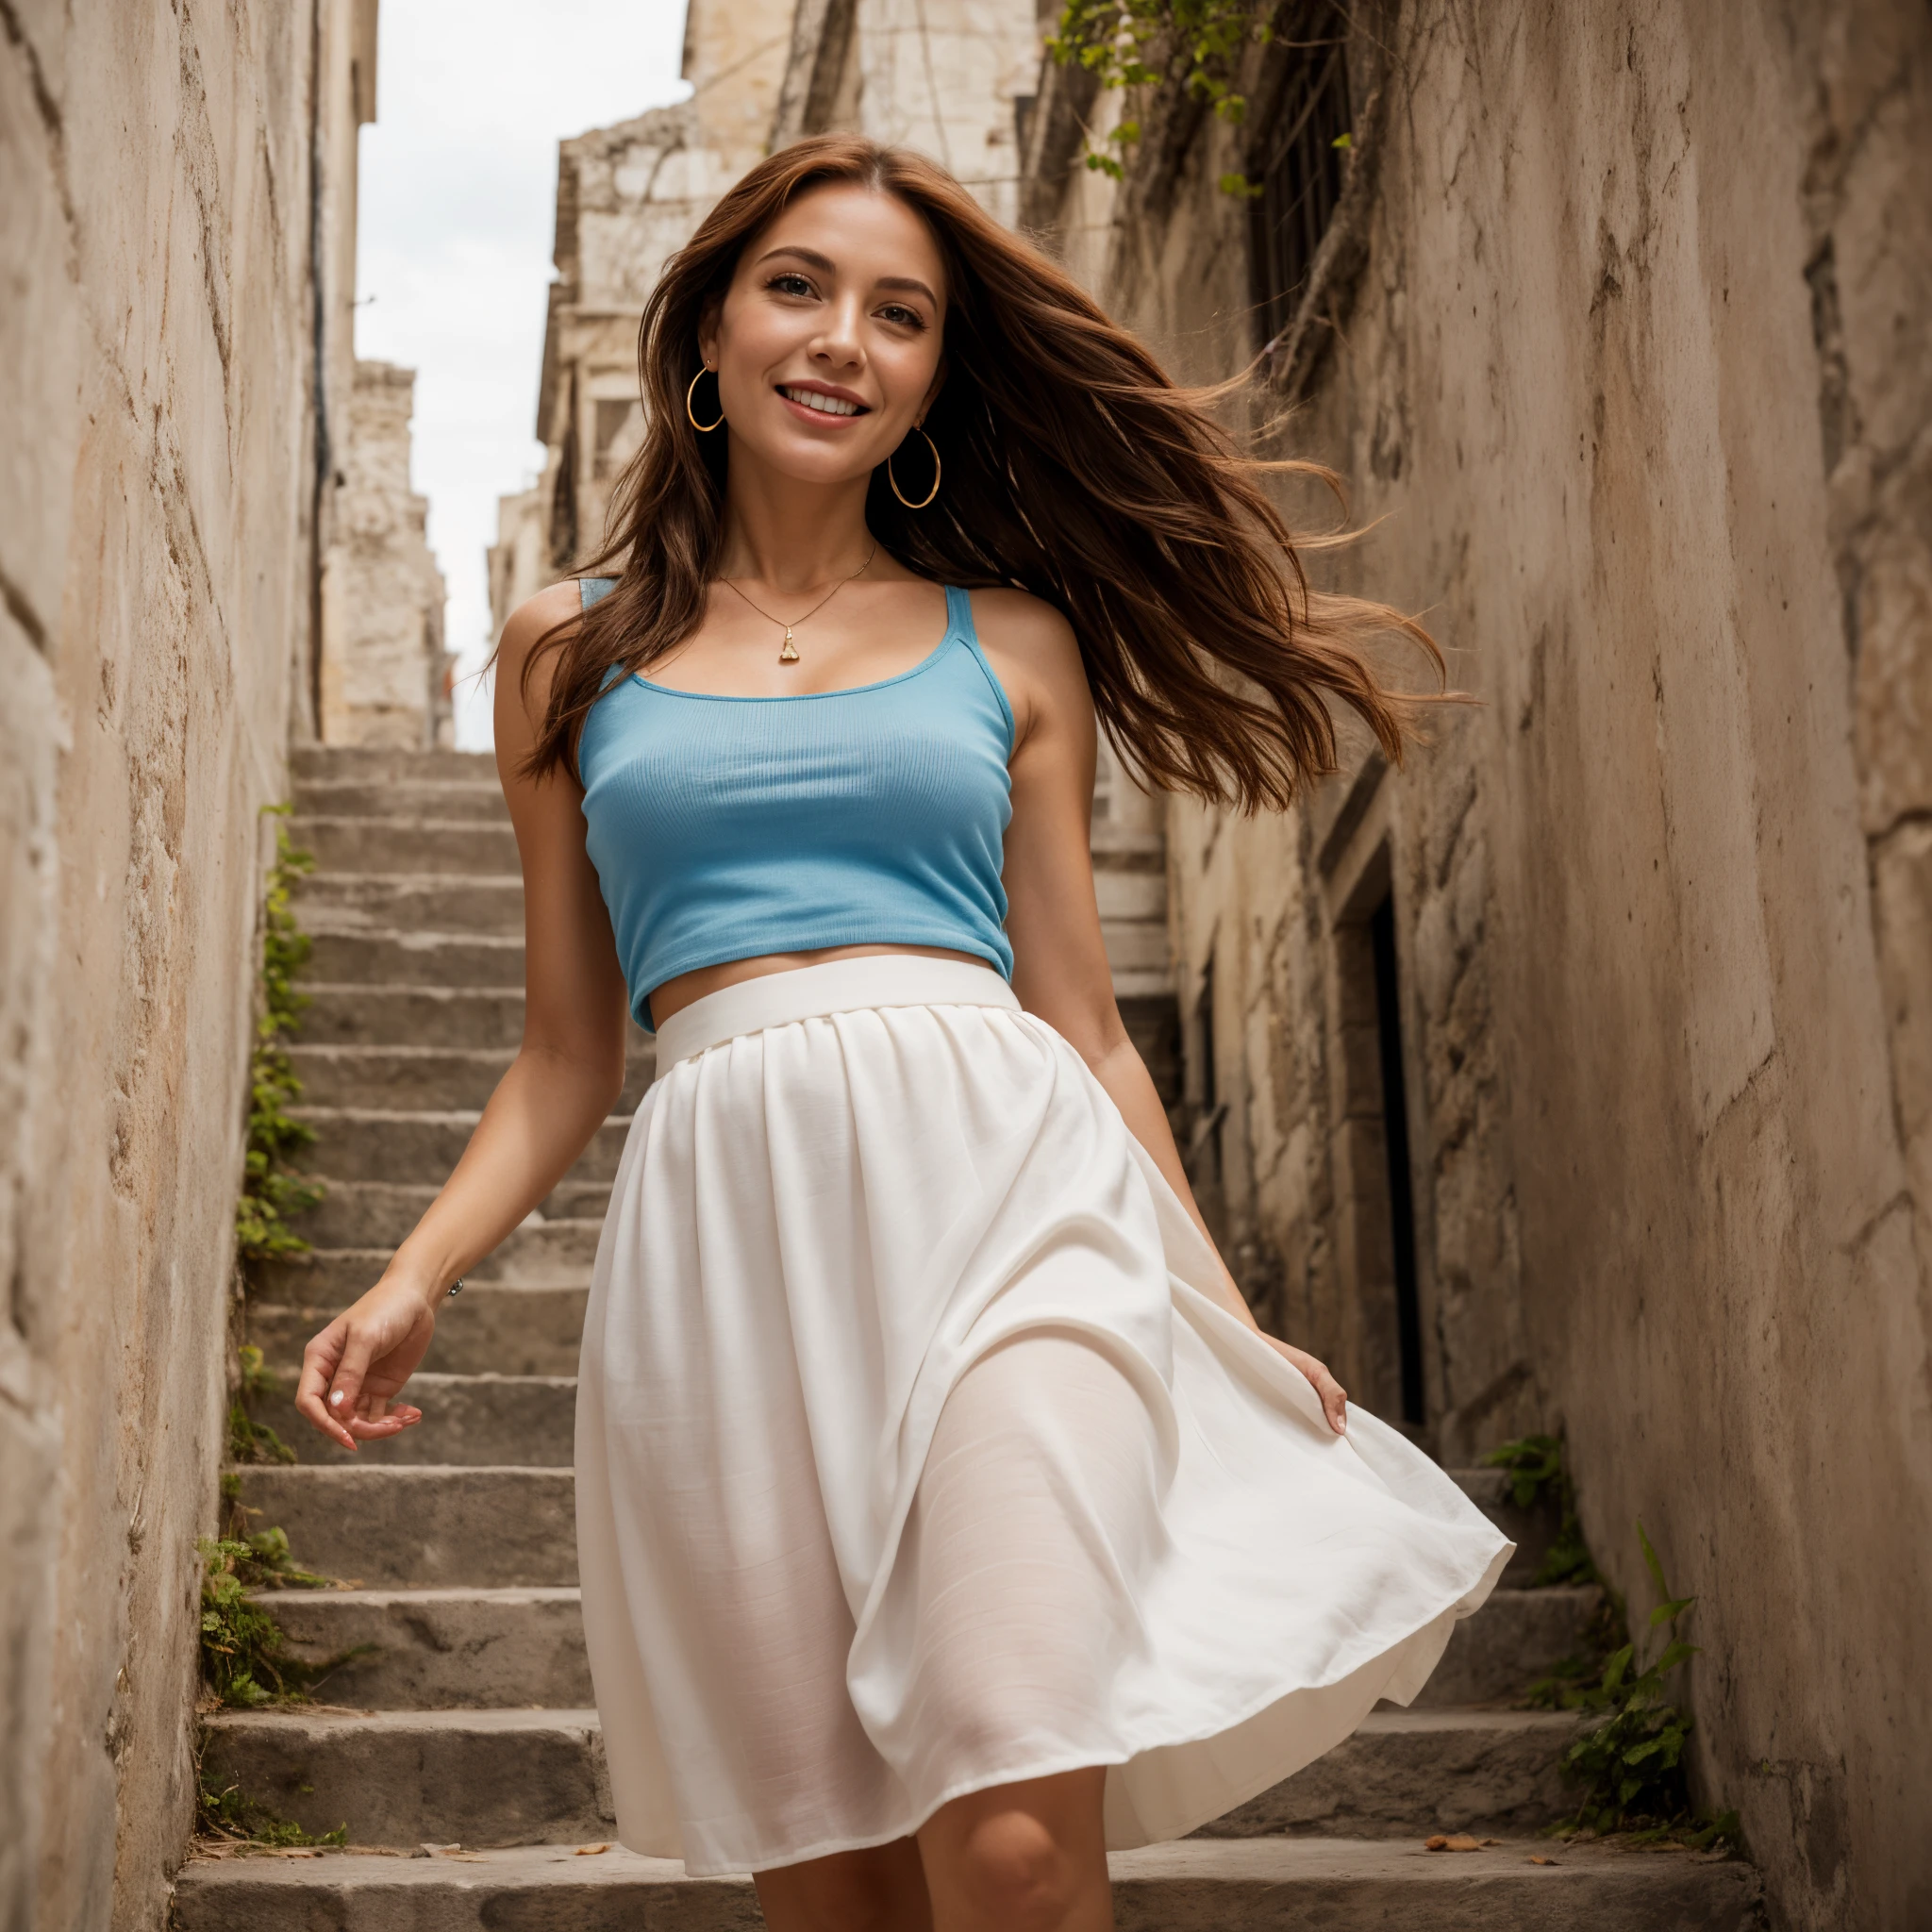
[(1073, 468)]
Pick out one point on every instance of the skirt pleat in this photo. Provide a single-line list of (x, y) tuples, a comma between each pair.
[(915, 1455)]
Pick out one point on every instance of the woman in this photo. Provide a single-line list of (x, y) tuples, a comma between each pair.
[(943, 1516)]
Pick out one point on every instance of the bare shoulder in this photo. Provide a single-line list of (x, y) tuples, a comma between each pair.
[(526, 627), (1025, 625), (536, 616), (1033, 649)]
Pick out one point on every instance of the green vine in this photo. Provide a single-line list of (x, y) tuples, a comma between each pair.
[(1140, 43), (271, 1193), (1536, 1468)]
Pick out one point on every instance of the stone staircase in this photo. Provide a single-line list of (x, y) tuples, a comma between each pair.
[(469, 1723)]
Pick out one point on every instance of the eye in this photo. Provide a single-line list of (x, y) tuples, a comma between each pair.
[(902, 317), (788, 282)]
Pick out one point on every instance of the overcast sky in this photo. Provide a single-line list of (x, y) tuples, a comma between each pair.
[(456, 222)]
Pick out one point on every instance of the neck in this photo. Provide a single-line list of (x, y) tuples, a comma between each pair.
[(789, 535)]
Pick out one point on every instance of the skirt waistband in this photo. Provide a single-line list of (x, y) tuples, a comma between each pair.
[(835, 986)]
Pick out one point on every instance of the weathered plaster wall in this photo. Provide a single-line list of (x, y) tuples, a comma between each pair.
[(383, 663), (156, 491), (1639, 368)]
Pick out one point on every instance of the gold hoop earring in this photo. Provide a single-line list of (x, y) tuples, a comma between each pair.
[(703, 428), (930, 493)]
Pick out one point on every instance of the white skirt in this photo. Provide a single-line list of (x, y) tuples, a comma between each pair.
[(915, 1454)]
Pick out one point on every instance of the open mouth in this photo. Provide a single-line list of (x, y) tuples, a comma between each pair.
[(820, 404)]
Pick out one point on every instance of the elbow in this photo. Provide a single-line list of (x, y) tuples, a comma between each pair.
[(1099, 1037)]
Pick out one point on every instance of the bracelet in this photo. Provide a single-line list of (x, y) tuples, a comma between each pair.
[(456, 1286)]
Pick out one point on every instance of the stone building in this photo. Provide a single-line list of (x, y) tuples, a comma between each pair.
[(1579, 1075), (177, 209), (385, 674), (627, 199)]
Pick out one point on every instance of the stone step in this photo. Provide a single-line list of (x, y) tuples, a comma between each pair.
[(373, 1214), (331, 1278), (1259, 1884), (1516, 1637), (423, 1079), (540, 1254), (460, 1016), (1427, 1771), (384, 1144), (487, 1330), (491, 905), (413, 845), (357, 798), (402, 1779), (424, 1528), (508, 1777), (487, 1421), (1531, 1528), (441, 1649), (372, 956), (372, 765), (536, 1255)]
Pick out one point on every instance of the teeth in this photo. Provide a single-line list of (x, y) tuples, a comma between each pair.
[(825, 405)]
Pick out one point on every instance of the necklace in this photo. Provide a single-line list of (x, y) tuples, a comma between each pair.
[(788, 653)]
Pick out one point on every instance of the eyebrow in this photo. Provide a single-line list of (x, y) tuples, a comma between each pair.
[(828, 266)]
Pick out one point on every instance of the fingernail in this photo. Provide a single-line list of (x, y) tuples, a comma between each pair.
[(335, 1400)]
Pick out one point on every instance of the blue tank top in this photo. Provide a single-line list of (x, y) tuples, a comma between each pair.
[(727, 827)]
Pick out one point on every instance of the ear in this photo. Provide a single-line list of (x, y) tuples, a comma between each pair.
[(709, 328)]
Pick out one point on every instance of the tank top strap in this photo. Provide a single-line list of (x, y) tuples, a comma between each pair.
[(591, 589), (959, 625)]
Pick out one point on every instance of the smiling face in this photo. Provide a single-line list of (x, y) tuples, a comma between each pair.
[(828, 341)]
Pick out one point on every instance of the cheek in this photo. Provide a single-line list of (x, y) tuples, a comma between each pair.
[(753, 341), (905, 371)]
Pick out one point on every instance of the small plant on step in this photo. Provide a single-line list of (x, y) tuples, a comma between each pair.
[(235, 1822), (1535, 1467), (248, 1439), (245, 1657), (1630, 1759), (271, 1191)]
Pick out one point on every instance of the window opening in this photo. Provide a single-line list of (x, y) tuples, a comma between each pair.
[(1299, 167), (1408, 1326)]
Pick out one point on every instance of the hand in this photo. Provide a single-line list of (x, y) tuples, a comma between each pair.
[(1334, 1397), (353, 1371)]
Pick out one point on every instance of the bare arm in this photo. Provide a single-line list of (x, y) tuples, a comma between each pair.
[(564, 1081), (1053, 919)]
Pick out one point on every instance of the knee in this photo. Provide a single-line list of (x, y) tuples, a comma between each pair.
[(1016, 1875)]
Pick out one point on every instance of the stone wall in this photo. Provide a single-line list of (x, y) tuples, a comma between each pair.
[(159, 353), (385, 674), (1622, 322)]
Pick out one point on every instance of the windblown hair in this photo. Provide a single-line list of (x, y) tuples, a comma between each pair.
[(1074, 469)]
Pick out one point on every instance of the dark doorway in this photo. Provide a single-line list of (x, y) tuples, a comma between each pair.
[(1408, 1327)]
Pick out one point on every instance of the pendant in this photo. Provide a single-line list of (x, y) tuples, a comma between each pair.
[(786, 654)]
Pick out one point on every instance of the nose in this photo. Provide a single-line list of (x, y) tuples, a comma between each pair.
[(841, 340)]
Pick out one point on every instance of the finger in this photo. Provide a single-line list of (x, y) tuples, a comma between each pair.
[(1335, 1404), (345, 1387), (319, 1363), (373, 1428)]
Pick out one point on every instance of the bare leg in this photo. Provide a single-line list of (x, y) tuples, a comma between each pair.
[(881, 1890), (1020, 1857)]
